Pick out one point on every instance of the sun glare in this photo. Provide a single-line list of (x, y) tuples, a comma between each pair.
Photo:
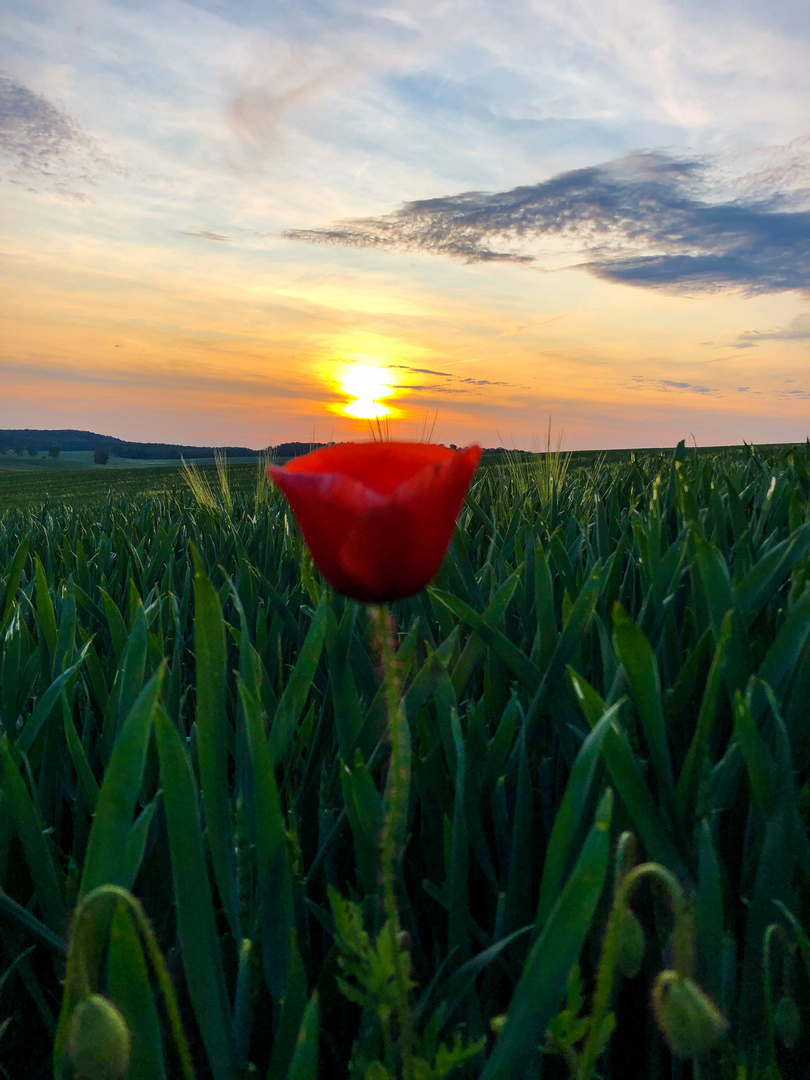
[(365, 385)]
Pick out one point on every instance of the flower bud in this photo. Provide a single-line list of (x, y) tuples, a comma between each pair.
[(787, 1022), (99, 1040), (629, 945), (690, 1021)]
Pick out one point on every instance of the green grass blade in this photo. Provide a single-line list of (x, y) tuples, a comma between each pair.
[(364, 809), (304, 1065), (35, 848), (196, 924), (638, 660), (298, 685), (628, 780), (579, 620), (9, 594), (42, 709), (45, 612), (105, 860), (129, 988), (210, 668), (697, 756), (568, 821), (32, 926), (545, 974), (275, 885), (517, 661), (79, 758)]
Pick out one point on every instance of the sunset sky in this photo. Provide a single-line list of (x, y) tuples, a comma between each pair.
[(242, 222)]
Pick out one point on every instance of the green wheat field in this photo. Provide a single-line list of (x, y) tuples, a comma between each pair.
[(605, 864)]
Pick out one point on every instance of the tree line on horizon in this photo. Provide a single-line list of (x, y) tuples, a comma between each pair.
[(33, 442)]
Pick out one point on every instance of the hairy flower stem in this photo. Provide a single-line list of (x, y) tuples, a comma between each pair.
[(397, 789), (84, 944), (607, 964)]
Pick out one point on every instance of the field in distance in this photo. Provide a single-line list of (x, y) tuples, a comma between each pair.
[(70, 460), (20, 488), (30, 481)]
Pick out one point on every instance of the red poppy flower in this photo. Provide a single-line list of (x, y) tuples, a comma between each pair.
[(378, 516)]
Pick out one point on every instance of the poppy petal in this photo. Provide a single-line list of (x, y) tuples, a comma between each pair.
[(398, 545), (378, 517), (327, 508), (381, 466)]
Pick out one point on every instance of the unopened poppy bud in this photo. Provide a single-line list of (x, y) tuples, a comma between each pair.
[(788, 1022), (99, 1040), (689, 1019), (630, 945)]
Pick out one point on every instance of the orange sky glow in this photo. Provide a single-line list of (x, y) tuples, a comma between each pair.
[(287, 229)]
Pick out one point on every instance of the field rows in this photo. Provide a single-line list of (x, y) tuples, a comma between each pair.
[(612, 669)]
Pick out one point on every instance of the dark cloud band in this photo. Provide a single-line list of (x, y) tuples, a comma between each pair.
[(647, 219)]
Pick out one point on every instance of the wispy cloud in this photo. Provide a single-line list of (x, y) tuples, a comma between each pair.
[(420, 370), (40, 142), (799, 330), (668, 386), (452, 385), (206, 234), (647, 219)]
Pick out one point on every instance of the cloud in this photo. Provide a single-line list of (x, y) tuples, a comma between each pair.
[(647, 219), (485, 382), (453, 384), (420, 370), (42, 142), (205, 234), (666, 386), (799, 330)]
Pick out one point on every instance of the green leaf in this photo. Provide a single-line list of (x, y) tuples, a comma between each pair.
[(510, 654), (29, 829), (697, 756), (298, 685), (458, 887), (639, 662), (212, 721), (45, 612), (568, 821), (105, 860), (568, 642), (196, 925), (9, 594), (80, 763), (364, 809), (545, 974), (130, 990), (42, 709), (304, 1065), (275, 885), (628, 780), (475, 646), (716, 583)]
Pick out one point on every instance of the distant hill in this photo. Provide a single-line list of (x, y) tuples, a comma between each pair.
[(42, 440), (66, 440)]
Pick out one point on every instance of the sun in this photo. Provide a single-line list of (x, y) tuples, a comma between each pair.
[(365, 385)]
